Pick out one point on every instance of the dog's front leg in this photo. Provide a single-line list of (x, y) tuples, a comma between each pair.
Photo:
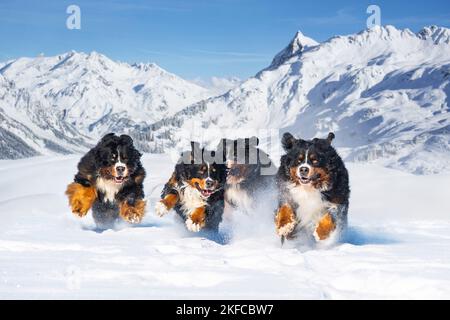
[(196, 220), (131, 203), (325, 227), (334, 219), (163, 206), (285, 220), (132, 210), (81, 198)]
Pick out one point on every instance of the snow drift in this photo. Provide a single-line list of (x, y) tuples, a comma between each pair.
[(398, 244)]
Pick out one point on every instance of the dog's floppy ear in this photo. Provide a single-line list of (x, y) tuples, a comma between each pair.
[(330, 137), (324, 143), (126, 139), (288, 141), (108, 137)]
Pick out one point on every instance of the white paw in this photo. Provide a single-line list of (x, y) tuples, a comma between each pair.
[(286, 229), (161, 209), (134, 220), (193, 227)]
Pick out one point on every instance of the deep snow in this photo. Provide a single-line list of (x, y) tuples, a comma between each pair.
[(398, 244)]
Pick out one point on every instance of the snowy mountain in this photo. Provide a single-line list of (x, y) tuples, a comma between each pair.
[(298, 44), (53, 104), (29, 128), (384, 92)]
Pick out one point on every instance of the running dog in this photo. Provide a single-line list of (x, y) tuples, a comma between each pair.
[(195, 190), (250, 172), (313, 187), (110, 181)]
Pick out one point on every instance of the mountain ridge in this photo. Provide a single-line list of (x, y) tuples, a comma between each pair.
[(87, 95), (384, 91)]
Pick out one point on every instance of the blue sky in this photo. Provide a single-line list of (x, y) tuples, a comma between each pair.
[(195, 38)]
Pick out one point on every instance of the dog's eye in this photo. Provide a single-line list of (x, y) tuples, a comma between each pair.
[(315, 161), (213, 170)]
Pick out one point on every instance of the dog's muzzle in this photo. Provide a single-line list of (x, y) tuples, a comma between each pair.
[(303, 174)]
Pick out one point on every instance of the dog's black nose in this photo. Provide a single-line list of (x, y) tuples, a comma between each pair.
[(120, 169), (209, 184), (304, 171)]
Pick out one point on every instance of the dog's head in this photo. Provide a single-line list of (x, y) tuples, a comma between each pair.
[(308, 162), (242, 159), (199, 169), (116, 157)]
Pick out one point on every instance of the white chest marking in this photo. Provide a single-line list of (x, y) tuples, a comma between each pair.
[(109, 188), (191, 199), (311, 204), (239, 198)]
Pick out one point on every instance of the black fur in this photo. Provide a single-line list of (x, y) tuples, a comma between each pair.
[(326, 160), (249, 169), (103, 155), (190, 166)]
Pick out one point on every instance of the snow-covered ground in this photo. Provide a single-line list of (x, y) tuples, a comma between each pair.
[(398, 244)]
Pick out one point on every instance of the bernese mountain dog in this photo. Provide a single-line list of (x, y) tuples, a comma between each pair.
[(110, 181), (250, 172), (196, 190), (313, 187)]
